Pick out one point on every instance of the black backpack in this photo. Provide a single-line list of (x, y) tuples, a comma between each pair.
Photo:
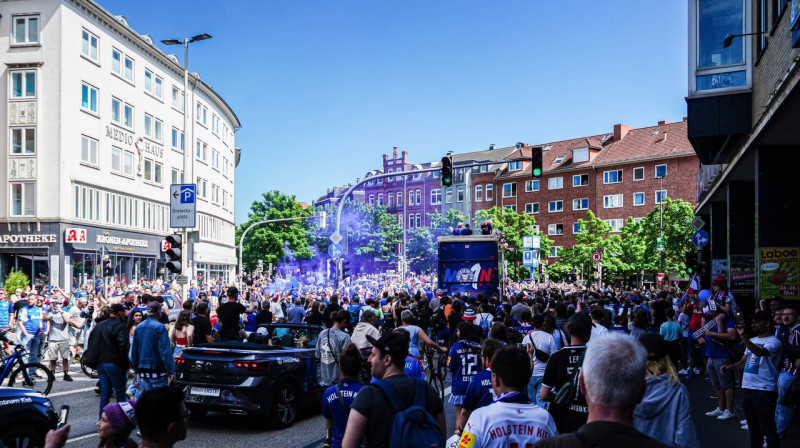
[(438, 319)]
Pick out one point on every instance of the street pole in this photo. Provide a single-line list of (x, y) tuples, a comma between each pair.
[(661, 223), (187, 171), (405, 228)]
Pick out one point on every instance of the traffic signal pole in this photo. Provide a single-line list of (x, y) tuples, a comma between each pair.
[(244, 234)]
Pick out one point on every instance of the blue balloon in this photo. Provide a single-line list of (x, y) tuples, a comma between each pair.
[(704, 294)]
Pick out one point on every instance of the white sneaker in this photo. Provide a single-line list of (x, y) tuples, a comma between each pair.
[(745, 427), (727, 415), (715, 413), (743, 422), (683, 372)]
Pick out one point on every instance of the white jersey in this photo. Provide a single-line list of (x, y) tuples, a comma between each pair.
[(501, 425)]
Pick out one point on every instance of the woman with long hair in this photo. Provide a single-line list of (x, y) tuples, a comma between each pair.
[(549, 326), (664, 413), (182, 334), (134, 320)]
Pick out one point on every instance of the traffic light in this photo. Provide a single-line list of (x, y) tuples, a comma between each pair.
[(345, 269), (691, 262), (174, 253), (107, 270), (536, 161), (702, 265), (447, 171)]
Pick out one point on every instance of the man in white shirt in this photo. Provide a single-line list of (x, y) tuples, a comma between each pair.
[(512, 420), (540, 345)]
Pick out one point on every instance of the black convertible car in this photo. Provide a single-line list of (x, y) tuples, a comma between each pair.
[(271, 375)]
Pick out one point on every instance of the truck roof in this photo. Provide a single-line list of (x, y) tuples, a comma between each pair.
[(463, 238)]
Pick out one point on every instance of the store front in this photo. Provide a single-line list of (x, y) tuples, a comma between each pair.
[(29, 248)]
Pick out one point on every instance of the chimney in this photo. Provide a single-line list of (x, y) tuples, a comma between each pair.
[(620, 131), (663, 122), (449, 153), (394, 155), (405, 156), (491, 147), (385, 158)]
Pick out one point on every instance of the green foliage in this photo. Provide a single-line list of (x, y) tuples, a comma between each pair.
[(678, 230), (442, 225), (268, 242), (515, 226), (14, 280), (422, 250)]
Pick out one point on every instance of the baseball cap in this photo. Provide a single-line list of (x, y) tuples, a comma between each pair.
[(719, 281), (655, 346), (390, 344), (153, 307)]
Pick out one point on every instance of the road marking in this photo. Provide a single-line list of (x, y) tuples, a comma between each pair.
[(67, 392), (94, 434), (447, 391)]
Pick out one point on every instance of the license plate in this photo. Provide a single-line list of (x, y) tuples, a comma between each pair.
[(205, 391)]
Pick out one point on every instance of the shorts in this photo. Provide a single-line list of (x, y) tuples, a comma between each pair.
[(720, 381), (76, 336), (56, 348), (456, 399)]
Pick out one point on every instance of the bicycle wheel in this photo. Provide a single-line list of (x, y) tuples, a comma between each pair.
[(438, 385), (39, 379)]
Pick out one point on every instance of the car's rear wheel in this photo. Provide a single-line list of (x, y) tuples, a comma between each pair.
[(284, 406), (21, 435)]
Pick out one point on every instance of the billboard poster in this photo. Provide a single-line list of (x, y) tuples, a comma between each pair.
[(742, 275), (779, 272), (719, 268)]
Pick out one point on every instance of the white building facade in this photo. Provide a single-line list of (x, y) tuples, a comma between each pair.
[(93, 132)]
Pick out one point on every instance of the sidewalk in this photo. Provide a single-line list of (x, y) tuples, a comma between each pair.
[(725, 433)]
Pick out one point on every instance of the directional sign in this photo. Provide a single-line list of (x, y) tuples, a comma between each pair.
[(181, 279), (700, 238), (182, 206), (527, 258), (698, 223), (335, 251), (660, 244), (597, 257), (527, 242), (336, 237), (537, 242)]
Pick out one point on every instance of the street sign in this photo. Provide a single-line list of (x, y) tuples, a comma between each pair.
[(597, 257), (527, 258), (698, 223), (660, 244), (537, 242), (660, 277), (336, 237), (182, 206), (700, 238), (181, 279), (527, 242), (335, 251)]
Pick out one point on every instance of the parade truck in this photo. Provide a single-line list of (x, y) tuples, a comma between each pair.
[(469, 264)]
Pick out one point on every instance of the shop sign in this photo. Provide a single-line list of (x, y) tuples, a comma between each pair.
[(165, 246), (780, 272), (75, 235), (19, 239), (130, 242)]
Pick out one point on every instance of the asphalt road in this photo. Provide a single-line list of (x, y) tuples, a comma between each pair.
[(214, 430)]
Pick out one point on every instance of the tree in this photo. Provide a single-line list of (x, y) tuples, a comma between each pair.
[(594, 235), (271, 242), (514, 225), (422, 251), (678, 216), (14, 280), (442, 225)]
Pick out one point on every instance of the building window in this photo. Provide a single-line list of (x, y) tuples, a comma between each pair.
[(177, 176), (202, 186), (460, 194), (178, 99), (153, 84), (531, 185), (411, 197), (390, 178), (89, 150), (714, 66), (152, 171), (380, 198), (638, 173), (419, 197), (390, 200), (23, 141), (510, 190), (89, 45), (23, 198), (419, 220), (554, 250), (514, 166), (128, 69), (555, 206), (116, 61), (490, 192), (411, 221), (127, 116), (612, 201), (23, 84), (511, 207), (661, 171), (448, 195), (580, 204), (661, 195), (436, 196), (638, 198), (532, 208), (400, 198), (26, 30), (554, 183), (478, 193), (559, 159), (616, 224), (153, 127), (121, 161), (576, 228), (177, 141), (88, 98), (555, 229), (612, 177), (580, 180), (371, 199)]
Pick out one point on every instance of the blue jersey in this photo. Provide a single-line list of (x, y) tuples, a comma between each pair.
[(332, 407), (6, 310), (463, 362), (413, 368), (479, 391), (250, 325), (31, 318)]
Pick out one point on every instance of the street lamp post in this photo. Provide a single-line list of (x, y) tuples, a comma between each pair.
[(661, 222), (188, 161)]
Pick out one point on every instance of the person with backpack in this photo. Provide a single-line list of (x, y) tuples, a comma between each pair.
[(484, 319), (512, 419), (354, 308), (338, 399), (463, 362), (396, 408)]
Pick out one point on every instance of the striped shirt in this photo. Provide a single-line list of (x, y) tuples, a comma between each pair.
[(794, 339)]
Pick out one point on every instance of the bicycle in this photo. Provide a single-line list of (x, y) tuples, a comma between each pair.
[(33, 375), (435, 370)]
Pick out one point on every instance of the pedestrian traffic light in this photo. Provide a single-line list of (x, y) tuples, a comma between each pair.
[(691, 262), (108, 271), (702, 265), (174, 254), (536, 161), (345, 269), (447, 171)]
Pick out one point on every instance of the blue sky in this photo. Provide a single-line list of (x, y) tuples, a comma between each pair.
[(324, 88)]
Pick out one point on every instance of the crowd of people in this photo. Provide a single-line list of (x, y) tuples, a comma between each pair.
[(530, 364)]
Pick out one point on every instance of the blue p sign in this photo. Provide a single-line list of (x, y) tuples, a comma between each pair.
[(187, 194)]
